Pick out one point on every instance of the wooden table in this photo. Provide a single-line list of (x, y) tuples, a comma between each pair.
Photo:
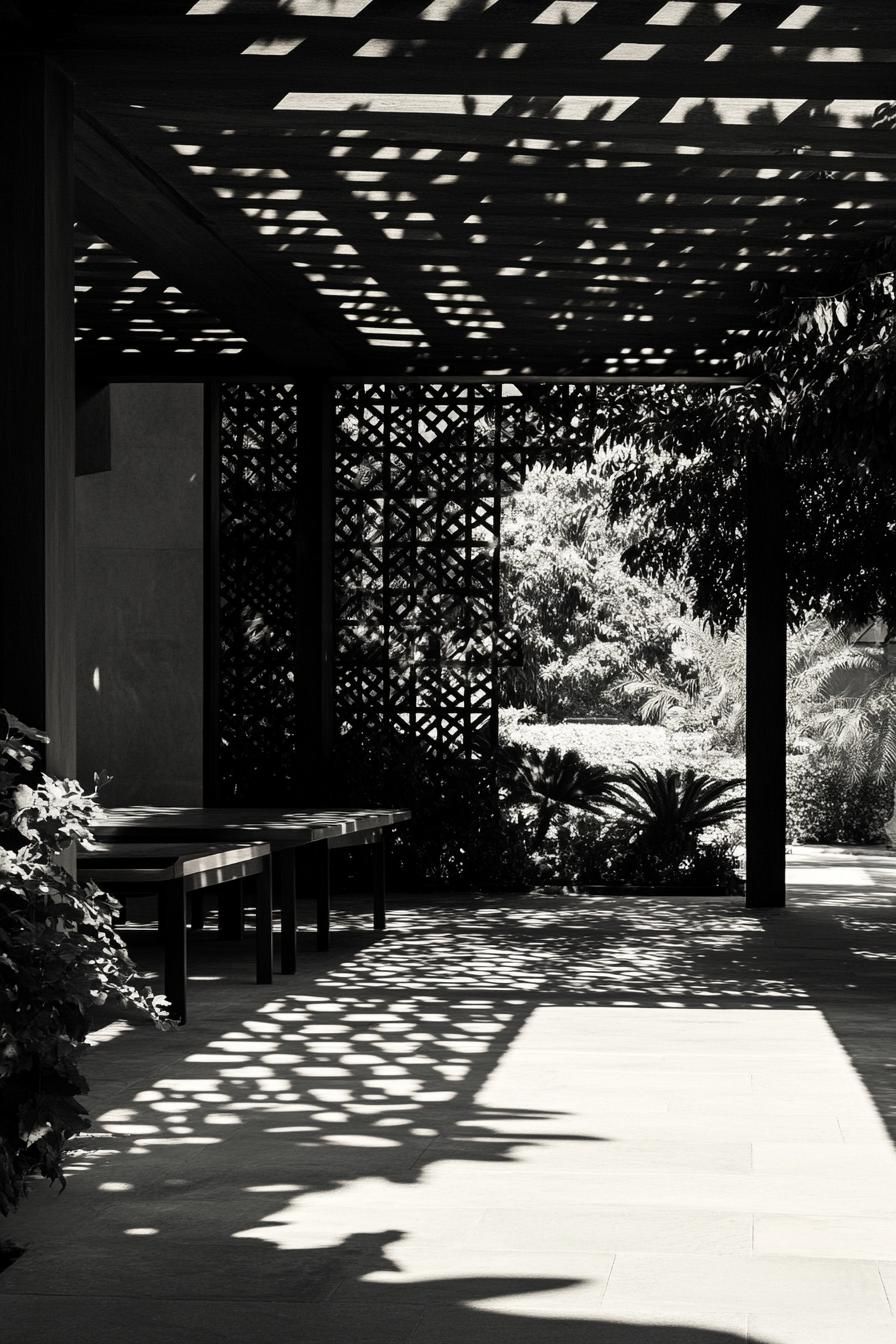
[(180, 870), (294, 835)]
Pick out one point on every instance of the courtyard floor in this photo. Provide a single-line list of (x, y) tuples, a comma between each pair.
[(541, 1120)]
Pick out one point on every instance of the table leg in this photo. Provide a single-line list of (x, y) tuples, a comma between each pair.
[(173, 900), (264, 926), (284, 868), (230, 910), (379, 881)]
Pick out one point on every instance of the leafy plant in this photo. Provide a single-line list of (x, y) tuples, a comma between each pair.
[(587, 850), (702, 689), (60, 958)]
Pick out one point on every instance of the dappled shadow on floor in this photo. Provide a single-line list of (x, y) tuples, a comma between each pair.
[(375, 1141)]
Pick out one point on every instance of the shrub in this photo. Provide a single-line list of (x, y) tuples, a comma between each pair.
[(500, 859), (587, 850), (459, 836), (60, 957), (612, 745), (825, 806), (667, 819), (545, 824)]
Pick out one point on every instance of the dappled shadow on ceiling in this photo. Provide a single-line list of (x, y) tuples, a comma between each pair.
[(538, 226), (125, 310)]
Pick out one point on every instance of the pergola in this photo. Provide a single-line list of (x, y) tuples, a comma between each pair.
[(379, 191)]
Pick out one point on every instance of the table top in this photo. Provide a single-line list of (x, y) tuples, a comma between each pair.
[(281, 828)]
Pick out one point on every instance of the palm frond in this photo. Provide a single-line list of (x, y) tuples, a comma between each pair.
[(676, 806)]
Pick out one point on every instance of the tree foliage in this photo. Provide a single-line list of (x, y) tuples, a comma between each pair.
[(707, 691), (821, 401), (583, 622)]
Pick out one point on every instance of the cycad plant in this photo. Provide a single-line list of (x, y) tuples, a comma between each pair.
[(671, 808), (552, 781)]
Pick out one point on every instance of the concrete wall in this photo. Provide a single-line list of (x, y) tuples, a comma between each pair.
[(139, 584)]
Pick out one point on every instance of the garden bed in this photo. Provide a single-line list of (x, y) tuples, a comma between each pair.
[(624, 889)]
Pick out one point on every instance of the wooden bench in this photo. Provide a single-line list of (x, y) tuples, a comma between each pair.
[(299, 839), (181, 870)]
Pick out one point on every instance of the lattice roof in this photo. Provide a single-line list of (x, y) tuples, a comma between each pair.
[(544, 186)]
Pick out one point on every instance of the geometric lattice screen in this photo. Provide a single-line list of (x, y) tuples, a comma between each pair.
[(261, 479), (420, 470)]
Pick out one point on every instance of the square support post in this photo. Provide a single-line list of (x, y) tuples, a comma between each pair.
[(766, 709), (211, 582), (37, 404)]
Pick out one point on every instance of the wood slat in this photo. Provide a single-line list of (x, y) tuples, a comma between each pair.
[(208, 81), (230, 28)]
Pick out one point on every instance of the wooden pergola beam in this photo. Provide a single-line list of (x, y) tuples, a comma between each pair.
[(118, 369), (256, 135), (123, 201)]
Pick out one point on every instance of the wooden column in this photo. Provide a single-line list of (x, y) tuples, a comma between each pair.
[(211, 581), (37, 404), (314, 623), (766, 729)]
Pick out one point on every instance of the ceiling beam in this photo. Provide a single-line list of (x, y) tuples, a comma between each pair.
[(121, 370), (256, 135), (126, 204)]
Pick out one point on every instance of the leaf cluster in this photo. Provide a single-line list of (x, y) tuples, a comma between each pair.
[(60, 958), (552, 781), (673, 807)]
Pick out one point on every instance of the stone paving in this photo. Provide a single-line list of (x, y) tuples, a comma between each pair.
[(550, 1119)]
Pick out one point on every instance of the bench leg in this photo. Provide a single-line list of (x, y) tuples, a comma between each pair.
[(264, 926), (197, 910), (321, 854), (284, 869), (230, 910), (379, 882), (173, 901)]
